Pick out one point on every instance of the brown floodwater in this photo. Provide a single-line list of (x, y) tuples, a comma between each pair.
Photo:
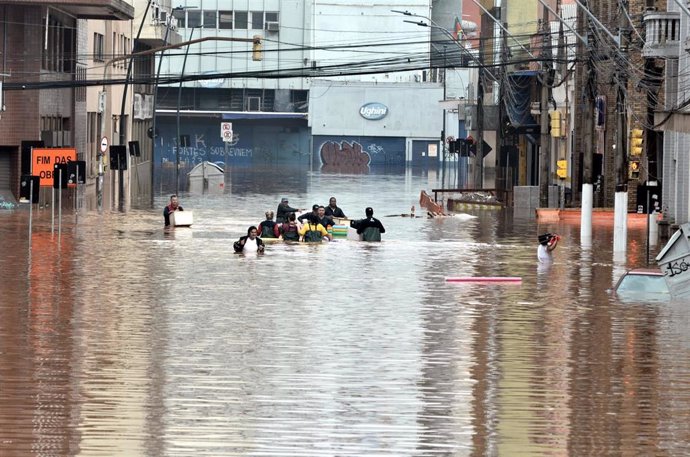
[(118, 338)]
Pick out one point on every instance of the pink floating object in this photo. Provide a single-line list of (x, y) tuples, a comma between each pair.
[(512, 279)]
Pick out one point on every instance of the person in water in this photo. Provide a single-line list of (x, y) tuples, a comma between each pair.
[(268, 228), (290, 230), (370, 228), (171, 208), (249, 244), (283, 210), (306, 216), (547, 243), (313, 231), (333, 210)]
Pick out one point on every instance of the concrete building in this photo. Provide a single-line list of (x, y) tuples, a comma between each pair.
[(668, 29), (280, 107), (45, 53)]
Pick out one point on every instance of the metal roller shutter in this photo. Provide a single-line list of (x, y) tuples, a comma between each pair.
[(4, 171)]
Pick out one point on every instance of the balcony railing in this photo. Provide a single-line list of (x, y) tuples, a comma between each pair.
[(662, 34)]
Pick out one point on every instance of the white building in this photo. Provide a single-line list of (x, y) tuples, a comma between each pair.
[(278, 104)]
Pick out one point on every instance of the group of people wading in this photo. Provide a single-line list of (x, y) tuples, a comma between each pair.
[(313, 227)]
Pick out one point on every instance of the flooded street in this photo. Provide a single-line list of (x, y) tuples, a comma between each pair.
[(118, 338)]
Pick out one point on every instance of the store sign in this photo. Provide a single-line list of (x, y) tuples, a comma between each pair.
[(373, 111)]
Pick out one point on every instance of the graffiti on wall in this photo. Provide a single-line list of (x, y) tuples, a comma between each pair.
[(343, 157)]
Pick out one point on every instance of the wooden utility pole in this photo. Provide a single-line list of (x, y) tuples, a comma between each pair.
[(620, 224), (545, 138)]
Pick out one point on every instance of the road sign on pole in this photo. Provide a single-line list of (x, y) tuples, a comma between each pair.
[(226, 131), (104, 144)]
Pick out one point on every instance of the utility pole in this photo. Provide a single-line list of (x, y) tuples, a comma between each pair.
[(545, 137), (443, 131), (479, 151), (587, 203), (502, 143), (620, 222), (179, 101)]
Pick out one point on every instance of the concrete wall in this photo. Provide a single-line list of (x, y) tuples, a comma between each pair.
[(413, 110)]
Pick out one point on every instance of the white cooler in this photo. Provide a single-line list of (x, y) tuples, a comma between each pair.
[(181, 218)]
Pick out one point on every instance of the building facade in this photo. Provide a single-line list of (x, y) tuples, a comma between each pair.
[(45, 71), (279, 102)]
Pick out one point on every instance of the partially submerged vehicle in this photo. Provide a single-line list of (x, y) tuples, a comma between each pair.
[(642, 284)]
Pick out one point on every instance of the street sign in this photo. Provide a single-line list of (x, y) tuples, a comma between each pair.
[(43, 161), (104, 144), (226, 131)]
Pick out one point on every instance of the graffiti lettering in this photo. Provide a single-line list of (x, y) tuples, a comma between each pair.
[(676, 268), (375, 149), (215, 151), (199, 140), (344, 158)]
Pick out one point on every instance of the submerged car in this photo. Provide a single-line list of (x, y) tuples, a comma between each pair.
[(642, 284)]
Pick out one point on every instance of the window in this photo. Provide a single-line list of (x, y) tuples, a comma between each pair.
[(180, 16), (80, 91), (55, 131), (58, 53), (210, 19), (193, 19), (257, 20), (225, 20), (253, 104), (271, 17), (98, 47), (241, 19)]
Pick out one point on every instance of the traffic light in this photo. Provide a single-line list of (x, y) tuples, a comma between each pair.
[(636, 142), (562, 170), (471, 146), (634, 169), (257, 49), (555, 123)]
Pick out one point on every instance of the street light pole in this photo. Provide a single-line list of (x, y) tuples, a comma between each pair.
[(155, 97), (179, 100), (155, 90)]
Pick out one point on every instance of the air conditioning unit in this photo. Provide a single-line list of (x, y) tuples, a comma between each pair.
[(272, 26)]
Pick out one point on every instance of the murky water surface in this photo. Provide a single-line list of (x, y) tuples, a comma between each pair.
[(118, 338)]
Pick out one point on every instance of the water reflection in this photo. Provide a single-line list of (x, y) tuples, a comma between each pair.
[(123, 339)]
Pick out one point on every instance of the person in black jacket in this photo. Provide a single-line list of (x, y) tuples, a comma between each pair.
[(283, 210), (268, 228), (333, 210), (370, 228), (250, 243)]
